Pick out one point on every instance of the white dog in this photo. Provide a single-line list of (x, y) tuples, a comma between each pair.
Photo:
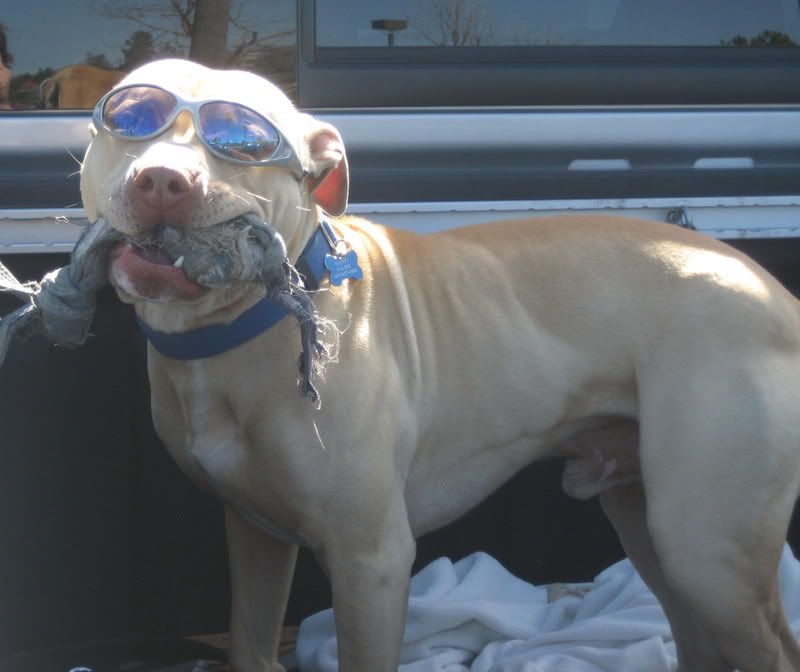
[(663, 365)]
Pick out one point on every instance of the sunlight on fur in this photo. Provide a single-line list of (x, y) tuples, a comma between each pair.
[(726, 271)]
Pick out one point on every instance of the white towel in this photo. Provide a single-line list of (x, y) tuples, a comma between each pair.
[(473, 616)]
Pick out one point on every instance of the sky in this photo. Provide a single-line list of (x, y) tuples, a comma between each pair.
[(55, 33)]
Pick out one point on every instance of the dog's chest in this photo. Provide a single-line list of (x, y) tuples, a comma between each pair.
[(218, 451), (214, 440)]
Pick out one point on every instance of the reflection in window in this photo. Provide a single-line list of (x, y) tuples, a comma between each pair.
[(6, 59), (67, 55), (520, 23)]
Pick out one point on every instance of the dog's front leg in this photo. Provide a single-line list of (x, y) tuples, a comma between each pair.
[(370, 569), (261, 575)]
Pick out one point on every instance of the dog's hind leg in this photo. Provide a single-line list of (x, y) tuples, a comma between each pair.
[(625, 506), (719, 460), (606, 461)]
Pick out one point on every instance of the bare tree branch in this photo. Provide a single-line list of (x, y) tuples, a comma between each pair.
[(185, 10), (460, 23), (237, 51), (173, 27)]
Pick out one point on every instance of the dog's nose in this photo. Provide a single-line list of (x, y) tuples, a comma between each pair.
[(167, 184), (163, 188)]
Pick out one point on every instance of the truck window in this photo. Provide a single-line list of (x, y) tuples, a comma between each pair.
[(404, 53), (67, 55), (526, 23)]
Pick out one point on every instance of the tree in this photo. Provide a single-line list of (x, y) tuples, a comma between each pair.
[(98, 61), (200, 28), (138, 49), (169, 23), (766, 38), (458, 23), (277, 63), (210, 32)]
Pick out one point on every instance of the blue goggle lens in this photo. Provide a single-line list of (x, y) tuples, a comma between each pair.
[(238, 133), (138, 111)]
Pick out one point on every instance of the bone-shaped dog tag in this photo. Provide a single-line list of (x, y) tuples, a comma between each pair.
[(343, 266)]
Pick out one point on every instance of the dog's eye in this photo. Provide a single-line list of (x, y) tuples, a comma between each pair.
[(138, 111), (237, 132)]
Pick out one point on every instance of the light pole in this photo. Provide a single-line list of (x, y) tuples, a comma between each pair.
[(390, 26)]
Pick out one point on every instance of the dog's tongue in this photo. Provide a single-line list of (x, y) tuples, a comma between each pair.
[(153, 255), (148, 273)]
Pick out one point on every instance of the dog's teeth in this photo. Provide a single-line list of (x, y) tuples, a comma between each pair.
[(178, 262)]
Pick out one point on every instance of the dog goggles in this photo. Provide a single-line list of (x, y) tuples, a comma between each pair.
[(229, 130)]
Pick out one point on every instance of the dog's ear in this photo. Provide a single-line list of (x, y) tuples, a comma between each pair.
[(329, 177)]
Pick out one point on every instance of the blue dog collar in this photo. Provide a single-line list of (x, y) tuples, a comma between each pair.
[(218, 338)]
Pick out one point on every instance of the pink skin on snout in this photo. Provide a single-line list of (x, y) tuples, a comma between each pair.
[(164, 194)]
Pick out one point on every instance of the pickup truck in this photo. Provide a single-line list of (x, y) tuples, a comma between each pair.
[(453, 112)]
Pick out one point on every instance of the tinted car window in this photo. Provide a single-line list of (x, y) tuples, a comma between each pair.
[(67, 55), (406, 53), (507, 23)]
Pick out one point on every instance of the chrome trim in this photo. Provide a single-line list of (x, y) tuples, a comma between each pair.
[(42, 230), (56, 230), (35, 132), (670, 130)]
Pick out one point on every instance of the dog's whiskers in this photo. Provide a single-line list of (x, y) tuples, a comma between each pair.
[(319, 436), (260, 198), (76, 159)]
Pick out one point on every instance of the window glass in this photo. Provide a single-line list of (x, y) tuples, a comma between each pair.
[(521, 23), (68, 54)]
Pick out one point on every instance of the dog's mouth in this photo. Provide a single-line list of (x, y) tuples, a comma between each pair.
[(176, 262), (153, 254), (150, 273)]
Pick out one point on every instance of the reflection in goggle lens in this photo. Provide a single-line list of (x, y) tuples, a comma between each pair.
[(138, 111), (237, 132)]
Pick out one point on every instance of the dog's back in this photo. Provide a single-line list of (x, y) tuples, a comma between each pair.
[(77, 87)]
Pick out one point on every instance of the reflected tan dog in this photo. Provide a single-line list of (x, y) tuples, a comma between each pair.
[(77, 87), (663, 365)]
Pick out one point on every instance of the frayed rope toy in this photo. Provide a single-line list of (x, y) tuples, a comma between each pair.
[(242, 250)]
